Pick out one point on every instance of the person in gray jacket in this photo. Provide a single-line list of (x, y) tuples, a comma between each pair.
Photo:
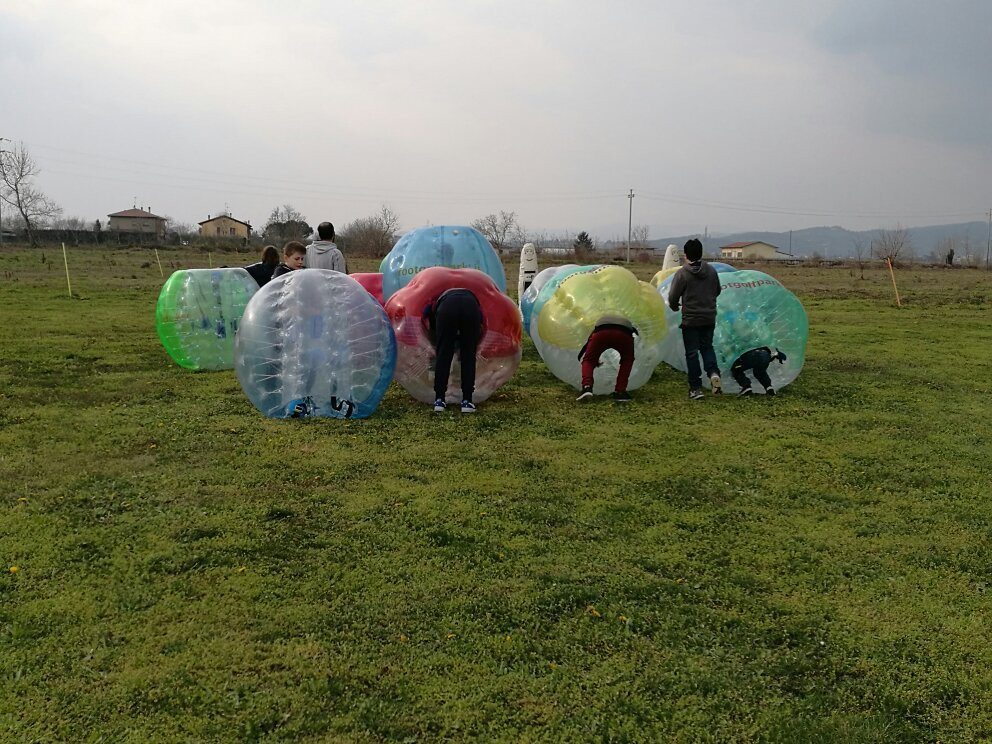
[(322, 253), (696, 287)]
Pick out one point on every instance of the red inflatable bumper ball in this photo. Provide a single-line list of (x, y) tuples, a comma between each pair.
[(497, 355)]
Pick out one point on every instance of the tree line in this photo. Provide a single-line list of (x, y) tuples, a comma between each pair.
[(28, 210)]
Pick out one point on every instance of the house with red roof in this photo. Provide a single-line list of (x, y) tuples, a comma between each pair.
[(137, 221)]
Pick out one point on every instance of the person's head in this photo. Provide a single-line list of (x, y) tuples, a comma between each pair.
[(325, 231), (693, 249), (293, 254), (270, 255)]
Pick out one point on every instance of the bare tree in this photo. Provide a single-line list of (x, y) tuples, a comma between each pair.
[(890, 244), (862, 253), (69, 223), (971, 252), (946, 248), (17, 190), (500, 229), (639, 237), (373, 236), (286, 223), (179, 233)]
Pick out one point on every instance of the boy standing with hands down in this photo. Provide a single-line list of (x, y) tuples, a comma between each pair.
[(696, 287)]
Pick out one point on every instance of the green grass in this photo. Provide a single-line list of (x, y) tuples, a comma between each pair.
[(812, 567)]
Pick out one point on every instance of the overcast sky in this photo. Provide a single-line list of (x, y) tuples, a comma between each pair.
[(719, 114)]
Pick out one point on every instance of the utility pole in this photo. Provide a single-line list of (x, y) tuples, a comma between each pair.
[(988, 246), (630, 214)]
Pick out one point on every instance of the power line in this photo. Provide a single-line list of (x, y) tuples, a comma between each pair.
[(183, 177), (295, 184), (738, 207)]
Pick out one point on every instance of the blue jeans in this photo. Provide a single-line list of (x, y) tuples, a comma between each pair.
[(699, 340)]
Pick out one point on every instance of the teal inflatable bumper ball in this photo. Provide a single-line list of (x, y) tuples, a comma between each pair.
[(754, 311), (451, 246)]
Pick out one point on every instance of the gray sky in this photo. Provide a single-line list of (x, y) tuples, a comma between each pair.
[(764, 115)]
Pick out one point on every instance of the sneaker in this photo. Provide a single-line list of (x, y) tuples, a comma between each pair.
[(468, 406), (623, 397), (696, 394), (439, 405), (586, 394), (717, 385), (746, 391), (769, 391)]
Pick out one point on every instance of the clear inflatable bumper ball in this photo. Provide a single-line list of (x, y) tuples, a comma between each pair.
[(498, 353), (754, 310), (315, 343), (580, 299), (198, 314), (451, 246)]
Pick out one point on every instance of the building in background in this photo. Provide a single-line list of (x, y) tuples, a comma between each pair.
[(136, 220), (225, 226), (752, 249)]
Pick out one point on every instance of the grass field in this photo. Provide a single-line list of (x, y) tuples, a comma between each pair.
[(810, 567)]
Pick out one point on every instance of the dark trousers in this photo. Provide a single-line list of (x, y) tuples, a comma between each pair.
[(698, 342), (756, 360), (600, 341), (458, 322)]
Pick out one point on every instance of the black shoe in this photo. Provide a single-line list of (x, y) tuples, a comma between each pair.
[(746, 391), (769, 391), (623, 397), (696, 394), (586, 394)]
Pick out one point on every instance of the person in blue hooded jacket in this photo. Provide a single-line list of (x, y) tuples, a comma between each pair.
[(695, 288)]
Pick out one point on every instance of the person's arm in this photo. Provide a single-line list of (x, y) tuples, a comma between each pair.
[(341, 264), (427, 319), (675, 291)]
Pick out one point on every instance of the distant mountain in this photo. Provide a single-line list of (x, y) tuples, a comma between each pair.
[(838, 242)]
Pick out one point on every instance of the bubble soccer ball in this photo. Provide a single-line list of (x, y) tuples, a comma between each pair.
[(372, 281), (658, 279), (662, 275), (497, 356), (577, 301), (546, 289), (530, 296), (314, 342), (198, 313), (455, 247), (753, 310)]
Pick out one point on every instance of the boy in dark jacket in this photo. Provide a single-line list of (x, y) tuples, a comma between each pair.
[(757, 361), (293, 254), (696, 287)]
